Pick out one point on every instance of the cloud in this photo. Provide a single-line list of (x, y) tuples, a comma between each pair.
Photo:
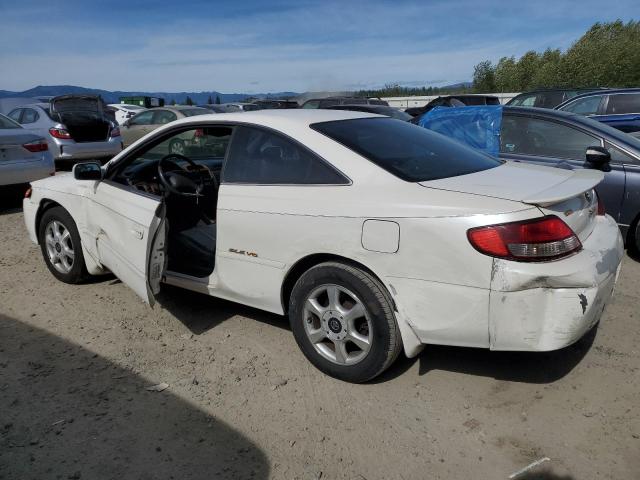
[(287, 45)]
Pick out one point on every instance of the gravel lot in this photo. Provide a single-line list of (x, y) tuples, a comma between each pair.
[(242, 401)]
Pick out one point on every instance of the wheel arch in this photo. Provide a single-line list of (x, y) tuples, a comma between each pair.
[(45, 204), (310, 261)]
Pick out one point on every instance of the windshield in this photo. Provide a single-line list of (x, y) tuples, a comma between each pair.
[(7, 123), (409, 152)]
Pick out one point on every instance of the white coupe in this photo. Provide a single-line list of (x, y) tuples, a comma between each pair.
[(373, 235)]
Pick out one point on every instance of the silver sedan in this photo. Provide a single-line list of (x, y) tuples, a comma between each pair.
[(24, 156)]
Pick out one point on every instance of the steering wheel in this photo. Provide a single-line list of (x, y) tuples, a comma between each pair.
[(182, 183)]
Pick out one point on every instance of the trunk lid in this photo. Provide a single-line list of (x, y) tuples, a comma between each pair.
[(83, 116), (568, 194)]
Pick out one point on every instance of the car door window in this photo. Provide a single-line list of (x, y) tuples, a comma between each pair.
[(15, 114), (525, 101), (30, 116), (143, 118), (623, 103), (543, 138), (261, 157), (584, 106), (206, 146), (619, 156), (162, 117)]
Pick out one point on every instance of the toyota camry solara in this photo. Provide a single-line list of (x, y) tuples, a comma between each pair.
[(373, 235)]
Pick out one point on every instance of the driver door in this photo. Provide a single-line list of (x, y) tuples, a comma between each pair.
[(129, 231)]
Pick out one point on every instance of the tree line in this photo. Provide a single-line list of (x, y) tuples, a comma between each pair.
[(607, 55)]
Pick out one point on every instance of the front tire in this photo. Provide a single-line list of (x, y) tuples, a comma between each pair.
[(60, 244), (342, 319)]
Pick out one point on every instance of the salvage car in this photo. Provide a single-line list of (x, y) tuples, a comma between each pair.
[(124, 111), (74, 125), (147, 121), (564, 140), (548, 98), (378, 109), (617, 108), (452, 101), (24, 156), (373, 235)]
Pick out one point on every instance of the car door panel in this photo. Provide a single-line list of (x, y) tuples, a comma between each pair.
[(128, 227)]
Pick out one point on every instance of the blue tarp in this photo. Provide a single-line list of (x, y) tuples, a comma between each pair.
[(478, 127)]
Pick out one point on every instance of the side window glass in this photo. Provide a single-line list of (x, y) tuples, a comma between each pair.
[(584, 106), (261, 157), (624, 103), (143, 118), (29, 116), (15, 115), (543, 138), (312, 104), (205, 146), (162, 117), (618, 156)]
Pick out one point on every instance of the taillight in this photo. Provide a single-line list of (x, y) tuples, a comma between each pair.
[(36, 146), (28, 193), (60, 133), (601, 209), (537, 240), (115, 132)]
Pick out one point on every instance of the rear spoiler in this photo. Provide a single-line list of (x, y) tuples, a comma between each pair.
[(581, 181)]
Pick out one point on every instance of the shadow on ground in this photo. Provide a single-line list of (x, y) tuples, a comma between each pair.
[(200, 313), (68, 413), (11, 199), (526, 367)]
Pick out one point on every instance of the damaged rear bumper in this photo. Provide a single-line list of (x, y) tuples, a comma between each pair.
[(548, 306)]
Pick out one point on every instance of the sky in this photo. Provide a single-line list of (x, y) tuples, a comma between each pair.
[(253, 46)]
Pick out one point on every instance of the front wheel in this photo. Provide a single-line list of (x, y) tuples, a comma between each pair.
[(342, 319), (60, 244)]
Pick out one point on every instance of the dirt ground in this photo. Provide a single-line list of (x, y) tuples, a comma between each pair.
[(242, 401)]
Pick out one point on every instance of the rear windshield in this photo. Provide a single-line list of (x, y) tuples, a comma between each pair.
[(192, 112), (409, 152)]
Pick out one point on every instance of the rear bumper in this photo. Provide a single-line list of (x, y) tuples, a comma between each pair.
[(548, 306), (72, 151)]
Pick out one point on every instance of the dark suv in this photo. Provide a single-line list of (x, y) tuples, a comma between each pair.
[(548, 98), (333, 101), (617, 108)]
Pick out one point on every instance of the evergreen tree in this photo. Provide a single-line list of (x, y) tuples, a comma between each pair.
[(217, 99), (188, 101), (209, 100)]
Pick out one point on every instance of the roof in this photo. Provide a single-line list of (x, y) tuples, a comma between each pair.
[(605, 91), (281, 119)]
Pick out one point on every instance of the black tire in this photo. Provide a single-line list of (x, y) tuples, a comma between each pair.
[(633, 243), (78, 272), (386, 342)]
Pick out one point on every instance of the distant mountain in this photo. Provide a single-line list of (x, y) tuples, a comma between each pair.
[(114, 97)]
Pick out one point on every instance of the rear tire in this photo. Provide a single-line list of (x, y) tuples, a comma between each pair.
[(355, 336), (61, 248)]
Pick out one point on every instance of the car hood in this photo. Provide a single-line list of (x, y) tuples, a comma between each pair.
[(523, 182)]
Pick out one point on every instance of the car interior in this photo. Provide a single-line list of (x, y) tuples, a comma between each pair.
[(189, 182)]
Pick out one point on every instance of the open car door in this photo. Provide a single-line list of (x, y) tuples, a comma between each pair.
[(130, 232)]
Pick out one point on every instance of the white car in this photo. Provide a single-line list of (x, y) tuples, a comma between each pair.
[(372, 234), (124, 111)]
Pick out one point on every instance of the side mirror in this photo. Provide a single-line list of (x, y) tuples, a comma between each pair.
[(598, 156), (87, 171)]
